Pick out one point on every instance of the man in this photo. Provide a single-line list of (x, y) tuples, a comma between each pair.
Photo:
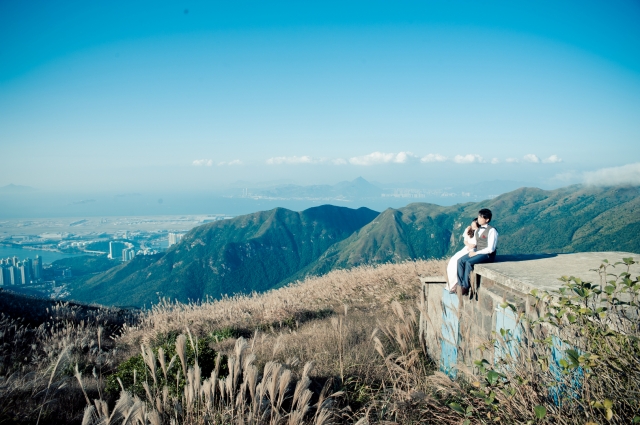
[(485, 251)]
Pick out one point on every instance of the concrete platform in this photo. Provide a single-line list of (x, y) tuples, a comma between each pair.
[(523, 273)]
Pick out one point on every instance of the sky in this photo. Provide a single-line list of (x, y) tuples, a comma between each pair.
[(186, 96)]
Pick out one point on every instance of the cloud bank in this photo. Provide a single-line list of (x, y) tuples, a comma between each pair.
[(203, 162), (468, 159), (404, 157), (305, 159), (615, 176), (552, 159), (234, 162), (534, 159), (382, 158), (277, 160), (433, 157)]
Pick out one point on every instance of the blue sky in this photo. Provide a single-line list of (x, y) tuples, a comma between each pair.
[(196, 95)]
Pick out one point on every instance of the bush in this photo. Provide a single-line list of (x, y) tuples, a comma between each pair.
[(133, 372)]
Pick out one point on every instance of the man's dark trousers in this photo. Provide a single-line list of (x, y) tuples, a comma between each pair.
[(466, 263)]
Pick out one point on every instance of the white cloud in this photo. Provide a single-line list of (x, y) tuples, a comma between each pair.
[(433, 157), (512, 160), (234, 162), (531, 158), (291, 160), (203, 162), (624, 175), (382, 158), (552, 159), (339, 161), (468, 159), (495, 161)]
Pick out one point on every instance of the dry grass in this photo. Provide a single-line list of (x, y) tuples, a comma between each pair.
[(292, 326), (345, 348), (36, 360), (366, 286)]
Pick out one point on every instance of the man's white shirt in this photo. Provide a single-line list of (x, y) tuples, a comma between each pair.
[(492, 240)]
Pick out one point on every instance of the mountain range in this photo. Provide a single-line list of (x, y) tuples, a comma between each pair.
[(355, 189), (259, 251)]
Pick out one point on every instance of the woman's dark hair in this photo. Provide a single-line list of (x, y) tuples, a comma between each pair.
[(471, 232)]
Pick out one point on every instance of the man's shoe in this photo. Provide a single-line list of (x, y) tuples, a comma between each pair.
[(465, 291)]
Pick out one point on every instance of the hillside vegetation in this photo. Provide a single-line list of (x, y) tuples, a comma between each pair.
[(269, 249), (56, 368), (254, 252), (345, 348)]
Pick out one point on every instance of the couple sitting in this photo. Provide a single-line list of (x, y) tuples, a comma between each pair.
[(480, 241)]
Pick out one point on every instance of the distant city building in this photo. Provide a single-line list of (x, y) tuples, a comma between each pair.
[(121, 250), (174, 238), (28, 264), (37, 268), (25, 273), (115, 249), (5, 277), (128, 254), (14, 274)]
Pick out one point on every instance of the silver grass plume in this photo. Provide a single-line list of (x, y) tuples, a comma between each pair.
[(181, 349), (161, 359), (150, 360)]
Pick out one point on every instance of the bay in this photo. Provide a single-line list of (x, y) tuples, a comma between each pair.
[(48, 257)]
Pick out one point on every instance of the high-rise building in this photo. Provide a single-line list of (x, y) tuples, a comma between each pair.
[(37, 268), (174, 238), (14, 275), (115, 249), (14, 261), (4, 276), (25, 273), (28, 263), (128, 254)]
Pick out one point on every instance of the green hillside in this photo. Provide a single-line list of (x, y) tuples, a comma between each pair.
[(260, 251), (528, 220), (253, 252)]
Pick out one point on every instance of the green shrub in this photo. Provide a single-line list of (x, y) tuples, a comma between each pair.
[(134, 371)]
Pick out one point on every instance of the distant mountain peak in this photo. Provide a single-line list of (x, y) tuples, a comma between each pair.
[(362, 181), (16, 188)]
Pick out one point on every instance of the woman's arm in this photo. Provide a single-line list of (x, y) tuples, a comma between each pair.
[(469, 242)]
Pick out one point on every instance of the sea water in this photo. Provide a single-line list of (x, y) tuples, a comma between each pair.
[(47, 256)]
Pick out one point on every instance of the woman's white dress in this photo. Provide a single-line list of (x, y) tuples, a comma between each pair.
[(452, 266)]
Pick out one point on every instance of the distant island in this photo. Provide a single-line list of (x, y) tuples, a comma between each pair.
[(14, 188)]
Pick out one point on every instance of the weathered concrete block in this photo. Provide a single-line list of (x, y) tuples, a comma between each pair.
[(487, 304), (511, 279), (487, 323)]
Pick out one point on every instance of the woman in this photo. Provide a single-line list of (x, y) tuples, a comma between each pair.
[(469, 244)]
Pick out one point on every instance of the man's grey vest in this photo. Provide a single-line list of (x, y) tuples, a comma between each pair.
[(482, 241)]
